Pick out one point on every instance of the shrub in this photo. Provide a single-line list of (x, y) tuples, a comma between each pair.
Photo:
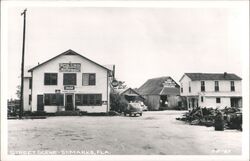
[(117, 103), (27, 113), (38, 113), (123, 105), (67, 113), (113, 113)]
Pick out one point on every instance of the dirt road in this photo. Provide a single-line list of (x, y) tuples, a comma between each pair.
[(155, 133)]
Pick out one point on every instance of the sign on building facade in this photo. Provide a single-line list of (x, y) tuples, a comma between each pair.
[(169, 83), (69, 67), (69, 87)]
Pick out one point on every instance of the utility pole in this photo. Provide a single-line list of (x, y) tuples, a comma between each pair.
[(22, 64)]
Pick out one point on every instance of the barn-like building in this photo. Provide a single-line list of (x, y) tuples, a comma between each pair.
[(161, 93)]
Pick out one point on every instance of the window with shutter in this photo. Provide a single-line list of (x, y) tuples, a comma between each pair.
[(202, 86), (232, 86), (216, 86), (88, 79)]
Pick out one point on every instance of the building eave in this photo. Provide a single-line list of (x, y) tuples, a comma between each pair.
[(64, 53)]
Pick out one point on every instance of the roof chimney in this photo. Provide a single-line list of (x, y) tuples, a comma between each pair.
[(225, 74)]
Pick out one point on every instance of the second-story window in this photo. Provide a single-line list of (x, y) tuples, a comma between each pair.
[(203, 86), (88, 79), (216, 86), (50, 78), (181, 88), (69, 79), (30, 83), (189, 87), (232, 86)]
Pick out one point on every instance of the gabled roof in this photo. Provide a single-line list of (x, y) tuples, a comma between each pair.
[(212, 76), (122, 91), (68, 52), (129, 89), (154, 86)]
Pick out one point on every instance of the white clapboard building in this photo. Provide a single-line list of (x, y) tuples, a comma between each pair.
[(68, 82), (216, 90)]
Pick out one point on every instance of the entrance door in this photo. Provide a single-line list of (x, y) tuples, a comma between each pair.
[(235, 102), (40, 105), (69, 106)]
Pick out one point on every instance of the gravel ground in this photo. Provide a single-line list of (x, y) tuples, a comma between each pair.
[(155, 133)]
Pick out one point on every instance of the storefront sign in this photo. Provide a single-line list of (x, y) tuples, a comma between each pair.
[(69, 67), (115, 83), (69, 87), (169, 83)]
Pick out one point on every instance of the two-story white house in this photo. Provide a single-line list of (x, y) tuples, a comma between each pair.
[(216, 90), (68, 81)]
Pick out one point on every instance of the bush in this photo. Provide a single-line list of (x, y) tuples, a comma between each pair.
[(179, 108), (27, 113), (67, 113), (38, 113), (123, 105), (117, 103), (113, 113)]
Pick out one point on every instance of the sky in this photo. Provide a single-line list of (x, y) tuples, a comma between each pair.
[(143, 43)]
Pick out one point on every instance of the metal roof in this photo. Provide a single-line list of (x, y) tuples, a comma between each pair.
[(212, 76), (154, 86)]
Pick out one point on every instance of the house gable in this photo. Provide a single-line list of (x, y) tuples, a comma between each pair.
[(68, 52)]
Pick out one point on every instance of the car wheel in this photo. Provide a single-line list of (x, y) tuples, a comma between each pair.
[(135, 114), (130, 114), (140, 114)]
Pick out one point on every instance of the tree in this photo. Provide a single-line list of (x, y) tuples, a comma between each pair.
[(117, 103), (118, 84), (121, 85)]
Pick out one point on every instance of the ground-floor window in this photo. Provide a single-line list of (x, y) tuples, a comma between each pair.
[(53, 99), (88, 99), (29, 99), (218, 100)]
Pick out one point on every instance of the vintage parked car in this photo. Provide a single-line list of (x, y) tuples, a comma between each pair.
[(133, 109), (144, 107)]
